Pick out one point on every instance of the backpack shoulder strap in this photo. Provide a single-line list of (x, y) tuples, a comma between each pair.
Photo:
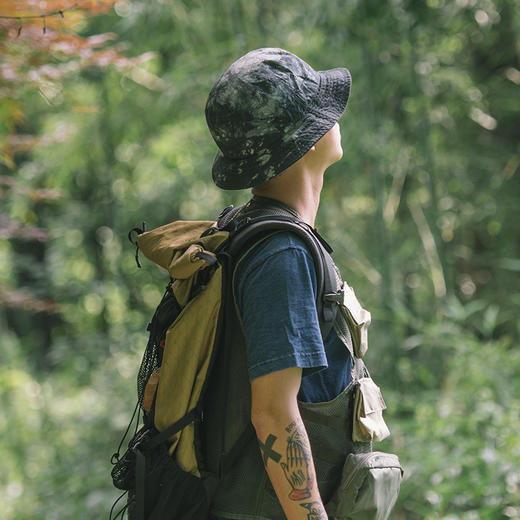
[(248, 228)]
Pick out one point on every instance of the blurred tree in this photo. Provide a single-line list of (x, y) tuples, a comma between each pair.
[(41, 48)]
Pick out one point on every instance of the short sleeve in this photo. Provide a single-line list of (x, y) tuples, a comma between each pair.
[(275, 291)]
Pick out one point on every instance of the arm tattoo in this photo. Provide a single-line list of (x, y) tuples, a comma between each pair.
[(297, 463), (297, 466), (291, 426), (267, 449), (316, 511)]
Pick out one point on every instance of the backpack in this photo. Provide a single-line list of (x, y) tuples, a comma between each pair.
[(163, 470)]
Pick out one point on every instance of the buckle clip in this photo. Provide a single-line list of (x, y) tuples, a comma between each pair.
[(334, 297)]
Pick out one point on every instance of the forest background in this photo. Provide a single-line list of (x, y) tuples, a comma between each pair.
[(102, 126)]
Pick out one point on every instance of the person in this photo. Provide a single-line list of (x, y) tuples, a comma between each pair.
[(275, 122)]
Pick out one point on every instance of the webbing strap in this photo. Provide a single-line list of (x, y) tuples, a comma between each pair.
[(140, 471), (248, 225), (262, 215), (172, 429), (325, 274), (147, 446)]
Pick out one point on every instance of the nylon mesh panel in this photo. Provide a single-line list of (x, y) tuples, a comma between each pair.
[(165, 314)]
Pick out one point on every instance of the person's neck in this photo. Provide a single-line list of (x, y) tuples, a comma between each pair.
[(298, 188)]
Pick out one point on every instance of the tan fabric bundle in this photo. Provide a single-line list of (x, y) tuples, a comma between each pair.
[(179, 248)]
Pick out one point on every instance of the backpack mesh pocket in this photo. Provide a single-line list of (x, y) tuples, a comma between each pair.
[(164, 316), (123, 472)]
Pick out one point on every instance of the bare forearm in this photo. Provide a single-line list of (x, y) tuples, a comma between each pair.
[(287, 456)]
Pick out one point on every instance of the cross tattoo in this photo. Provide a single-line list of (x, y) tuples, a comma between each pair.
[(267, 449)]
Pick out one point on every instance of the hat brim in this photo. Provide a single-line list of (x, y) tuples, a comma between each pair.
[(328, 106)]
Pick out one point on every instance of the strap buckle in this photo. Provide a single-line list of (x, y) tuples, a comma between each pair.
[(334, 297)]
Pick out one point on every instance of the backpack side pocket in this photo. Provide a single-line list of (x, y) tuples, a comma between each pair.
[(369, 487)]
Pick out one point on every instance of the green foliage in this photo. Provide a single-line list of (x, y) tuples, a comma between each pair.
[(459, 434), (59, 431), (422, 212)]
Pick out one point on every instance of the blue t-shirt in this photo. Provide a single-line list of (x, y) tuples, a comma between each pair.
[(275, 290)]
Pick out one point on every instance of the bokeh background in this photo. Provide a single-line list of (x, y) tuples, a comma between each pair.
[(102, 127)]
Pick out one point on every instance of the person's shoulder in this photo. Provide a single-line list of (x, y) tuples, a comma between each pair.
[(277, 243), (280, 264)]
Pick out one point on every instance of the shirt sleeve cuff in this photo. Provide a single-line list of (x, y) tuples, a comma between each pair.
[(310, 364)]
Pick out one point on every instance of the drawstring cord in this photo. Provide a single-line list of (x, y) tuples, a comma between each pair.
[(121, 512), (115, 457), (137, 231)]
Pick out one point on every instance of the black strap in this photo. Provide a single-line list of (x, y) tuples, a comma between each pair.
[(174, 428), (247, 225), (140, 457), (140, 473), (251, 228)]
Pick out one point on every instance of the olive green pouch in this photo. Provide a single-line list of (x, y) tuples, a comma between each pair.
[(369, 487), (358, 320), (368, 424)]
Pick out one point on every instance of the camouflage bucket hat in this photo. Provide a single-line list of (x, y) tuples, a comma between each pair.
[(266, 111)]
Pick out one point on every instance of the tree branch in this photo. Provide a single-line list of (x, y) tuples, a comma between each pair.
[(59, 12)]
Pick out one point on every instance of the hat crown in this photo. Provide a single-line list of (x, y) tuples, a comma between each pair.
[(264, 95), (266, 111)]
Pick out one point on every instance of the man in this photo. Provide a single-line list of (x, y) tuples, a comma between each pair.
[(274, 120)]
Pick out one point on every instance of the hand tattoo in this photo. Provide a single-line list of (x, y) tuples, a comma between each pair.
[(296, 467)]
